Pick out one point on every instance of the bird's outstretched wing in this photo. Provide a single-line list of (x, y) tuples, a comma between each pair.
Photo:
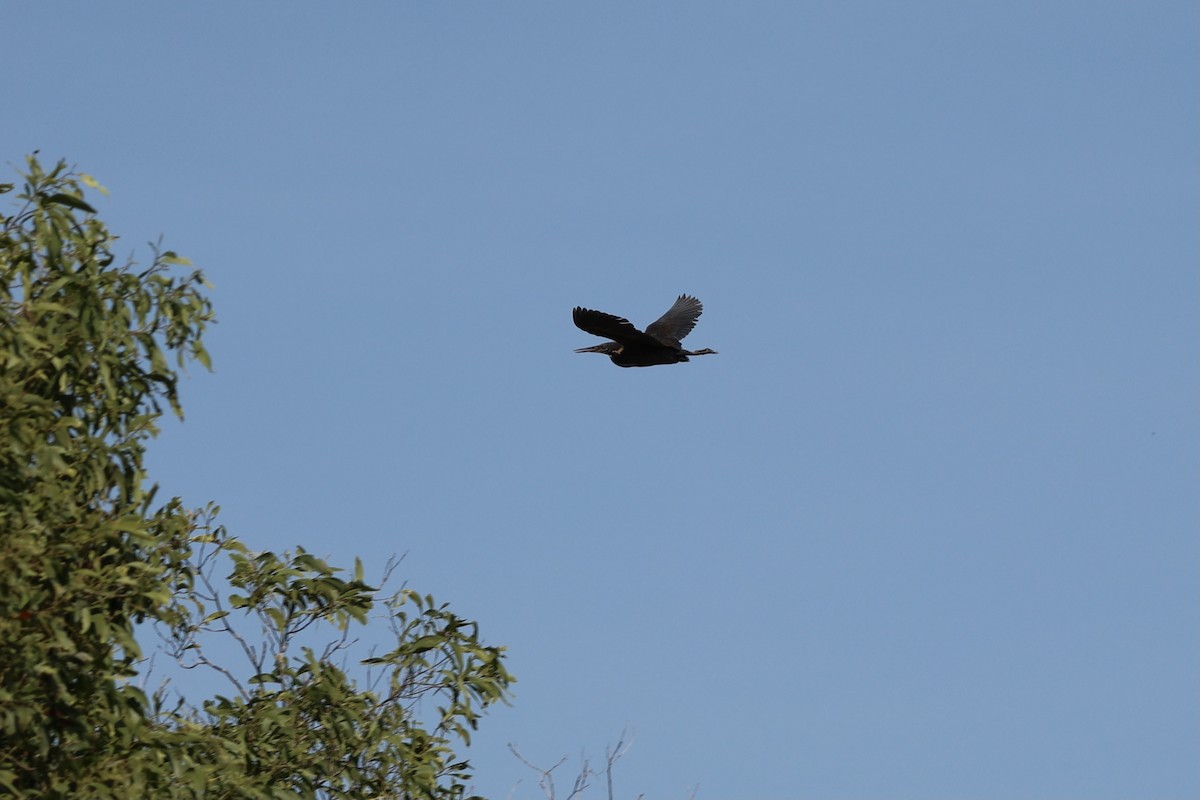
[(678, 322), (612, 327)]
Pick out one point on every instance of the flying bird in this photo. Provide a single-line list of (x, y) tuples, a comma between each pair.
[(660, 344)]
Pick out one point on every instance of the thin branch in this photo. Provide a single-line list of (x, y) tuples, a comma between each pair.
[(546, 776), (613, 755)]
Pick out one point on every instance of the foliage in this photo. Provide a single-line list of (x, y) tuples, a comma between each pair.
[(86, 557), (304, 723)]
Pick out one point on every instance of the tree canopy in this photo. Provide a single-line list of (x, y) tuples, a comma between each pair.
[(91, 563)]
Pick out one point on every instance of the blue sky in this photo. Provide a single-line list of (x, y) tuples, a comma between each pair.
[(925, 528)]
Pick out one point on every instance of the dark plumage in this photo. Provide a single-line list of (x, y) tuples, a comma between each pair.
[(660, 344)]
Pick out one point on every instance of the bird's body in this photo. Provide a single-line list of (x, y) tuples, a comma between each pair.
[(659, 344)]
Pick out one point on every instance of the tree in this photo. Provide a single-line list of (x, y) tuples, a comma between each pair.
[(88, 562)]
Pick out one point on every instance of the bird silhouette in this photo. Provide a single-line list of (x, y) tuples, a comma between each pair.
[(660, 344)]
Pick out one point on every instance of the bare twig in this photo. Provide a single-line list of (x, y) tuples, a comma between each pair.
[(546, 776), (613, 754)]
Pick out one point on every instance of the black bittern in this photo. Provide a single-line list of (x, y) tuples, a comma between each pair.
[(660, 344)]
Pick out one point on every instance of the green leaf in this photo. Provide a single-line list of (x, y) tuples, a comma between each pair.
[(425, 643), (70, 201), (92, 182), (170, 257), (202, 356)]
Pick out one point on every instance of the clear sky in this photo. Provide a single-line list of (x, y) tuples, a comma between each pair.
[(929, 524)]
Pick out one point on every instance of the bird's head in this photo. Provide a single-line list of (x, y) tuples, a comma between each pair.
[(606, 349)]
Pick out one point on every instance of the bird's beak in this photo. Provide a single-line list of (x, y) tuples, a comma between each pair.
[(599, 348)]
